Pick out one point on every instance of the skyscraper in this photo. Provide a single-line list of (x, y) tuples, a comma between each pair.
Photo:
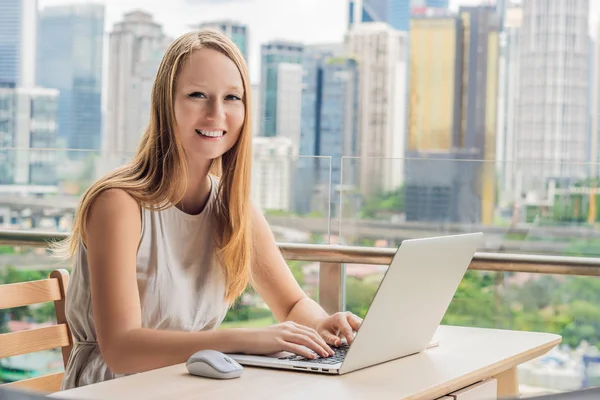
[(28, 122), (429, 3), (453, 116), (508, 99), (18, 20), (273, 54), (272, 159), (10, 40), (435, 95), (237, 32), (289, 102), (552, 133), (396, 13), (381, 52), (136, 47), (480, 36), (69, 59), (329, 129), (595, 109)]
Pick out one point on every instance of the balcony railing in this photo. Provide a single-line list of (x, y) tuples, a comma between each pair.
[(332, 258)]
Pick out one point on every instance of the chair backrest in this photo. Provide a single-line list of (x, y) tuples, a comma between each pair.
[(46, 338)]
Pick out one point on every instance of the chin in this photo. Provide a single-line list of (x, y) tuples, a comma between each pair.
[(207, 156)]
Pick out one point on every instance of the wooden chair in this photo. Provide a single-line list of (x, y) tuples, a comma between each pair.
[(46, 338)]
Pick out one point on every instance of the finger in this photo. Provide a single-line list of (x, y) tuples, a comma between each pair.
[(317, 338), (346, 330), (314, 335), (331, 339), (299, 350), (305, 340), (354, 321)]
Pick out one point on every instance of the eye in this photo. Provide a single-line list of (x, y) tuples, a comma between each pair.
[(197, 95), (232, 97)]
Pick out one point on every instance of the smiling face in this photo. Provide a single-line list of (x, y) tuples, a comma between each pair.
[(209, 105)]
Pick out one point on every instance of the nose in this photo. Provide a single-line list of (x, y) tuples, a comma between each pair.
[(216, 111)]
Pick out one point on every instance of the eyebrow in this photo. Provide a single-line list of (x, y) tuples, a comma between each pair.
[(231, 87)]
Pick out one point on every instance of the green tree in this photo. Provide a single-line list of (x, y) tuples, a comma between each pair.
[(474, 303), (392, 201), (535, 294), (579, 288), (584, 324), (359, 295)]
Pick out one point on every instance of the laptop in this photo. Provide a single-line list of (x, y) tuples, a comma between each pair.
[(405, 313)]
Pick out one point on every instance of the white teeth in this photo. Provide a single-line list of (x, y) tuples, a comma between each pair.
[(210, 133)]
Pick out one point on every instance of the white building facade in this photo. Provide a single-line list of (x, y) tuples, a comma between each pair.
[(136, 47), (273, 160), (381, 52), (552, 129)]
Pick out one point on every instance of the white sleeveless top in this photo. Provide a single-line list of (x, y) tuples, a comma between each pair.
[(181, 285)]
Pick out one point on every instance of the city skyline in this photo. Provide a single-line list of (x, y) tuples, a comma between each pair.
[(311, 23)]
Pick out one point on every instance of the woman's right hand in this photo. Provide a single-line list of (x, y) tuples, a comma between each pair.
[(287, 336)]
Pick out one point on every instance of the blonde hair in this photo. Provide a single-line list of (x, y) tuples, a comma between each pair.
[(157, 175)]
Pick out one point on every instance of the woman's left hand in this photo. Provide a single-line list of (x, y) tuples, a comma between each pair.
[(337, 327)]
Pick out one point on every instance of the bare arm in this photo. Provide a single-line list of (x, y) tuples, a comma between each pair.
[(112, 236), (275, 283)]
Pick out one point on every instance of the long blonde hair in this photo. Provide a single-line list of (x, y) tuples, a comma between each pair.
[(157, 175)]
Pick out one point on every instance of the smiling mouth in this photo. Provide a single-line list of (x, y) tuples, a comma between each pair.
[(210, 133)]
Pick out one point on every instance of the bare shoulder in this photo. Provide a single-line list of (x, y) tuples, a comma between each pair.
[(263, 239), (113, 209), (114, 203), (115, 197), (258, 219)]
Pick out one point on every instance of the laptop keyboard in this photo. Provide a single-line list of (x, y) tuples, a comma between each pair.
[(338, 357)]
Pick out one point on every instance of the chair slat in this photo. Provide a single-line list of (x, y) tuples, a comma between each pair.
[(30, 341), (62, 276), (44, 384), (26, 293)]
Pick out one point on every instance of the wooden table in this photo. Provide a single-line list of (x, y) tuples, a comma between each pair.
[(464, 356)]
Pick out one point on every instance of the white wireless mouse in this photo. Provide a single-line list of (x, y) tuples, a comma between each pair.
[(213, 364)]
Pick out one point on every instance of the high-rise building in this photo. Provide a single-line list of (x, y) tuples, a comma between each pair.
[(429, 4), (436, 3), (289, 102), (453, 113), (256, 114), (443, 186), (28, 122), (381, 53), (552, 133), (272, 163), (435, 94), (273, 54), (480, 37), (10, 41), (395, 13), (237, 32), (18, 24), (501, 9), (69, 58), (595, 107), (328, 130), (508, 100), (136, 47)]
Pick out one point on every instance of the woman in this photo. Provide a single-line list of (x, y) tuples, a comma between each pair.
[(161, 247)]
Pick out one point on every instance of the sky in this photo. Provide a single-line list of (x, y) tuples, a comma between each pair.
[(307, 21)]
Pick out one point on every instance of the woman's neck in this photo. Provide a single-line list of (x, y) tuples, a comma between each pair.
[(198, 190)]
